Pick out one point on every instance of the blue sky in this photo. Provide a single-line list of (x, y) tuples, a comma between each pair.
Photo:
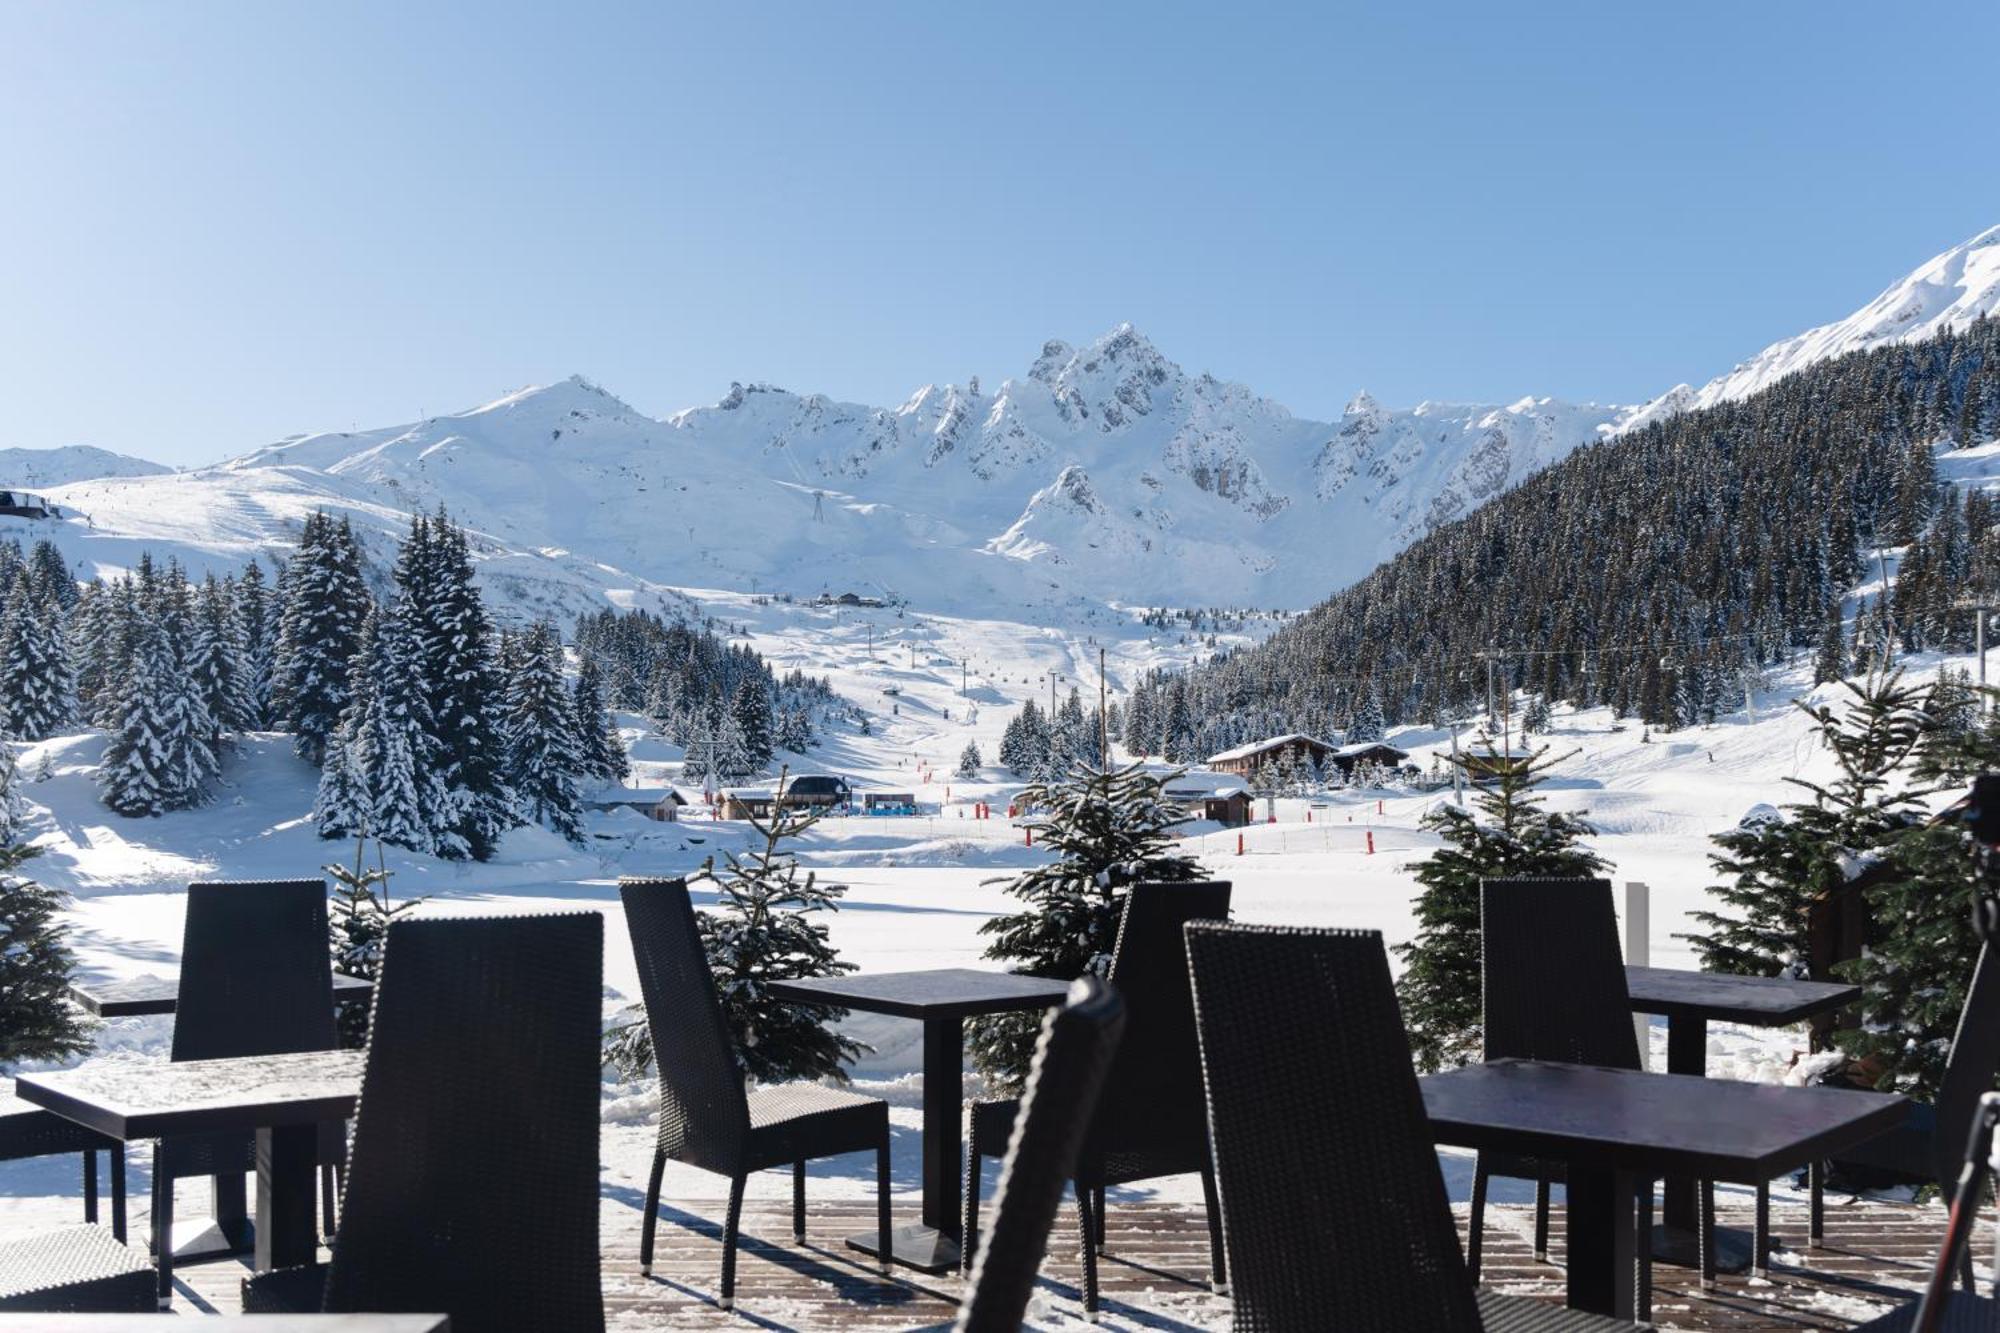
[(227, 223)]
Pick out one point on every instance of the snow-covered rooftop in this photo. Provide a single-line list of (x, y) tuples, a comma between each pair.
[(1199, 782), (1269, 743)]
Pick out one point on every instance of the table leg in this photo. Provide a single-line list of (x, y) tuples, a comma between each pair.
[(1677, 1239), (287, 1176), (1603, 1260), (933, 1246), (229, 1233)]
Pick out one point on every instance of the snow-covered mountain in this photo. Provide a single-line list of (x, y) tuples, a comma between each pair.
[(40, 469), (1102, 473), (1948, 292)]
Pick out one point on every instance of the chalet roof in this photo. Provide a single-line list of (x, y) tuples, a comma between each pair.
[(1269, 743), (635, 796), (1199, 783), (1359, 748)]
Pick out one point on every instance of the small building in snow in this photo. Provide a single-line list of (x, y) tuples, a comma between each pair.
[(888, 803), (1245, 760), (659, 803), (25, 504), (1222, 797), (1378, 754), (813, 791)]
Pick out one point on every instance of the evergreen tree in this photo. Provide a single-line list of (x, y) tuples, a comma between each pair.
[(765, 929), (969, 761), (35, 686), (1512, 836), (134, 775), (358, 920), (465, 688), (37, 1020), (1370, 723), (53, 583), (541, 736), (386, 738), (750, 709), (1107, 830), (795, 730), (600, 751), (340, 804), (257, 633), (1830, 661), (325, 601), (1775, 870), (216, 663), (189, 731)]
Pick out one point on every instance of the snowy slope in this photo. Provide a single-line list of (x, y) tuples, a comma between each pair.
[(1103, 473), (1948, 292), (40, 469)]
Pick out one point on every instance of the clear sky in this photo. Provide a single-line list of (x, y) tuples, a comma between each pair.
[(224, 223)]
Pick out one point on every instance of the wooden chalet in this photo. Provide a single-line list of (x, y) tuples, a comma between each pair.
[(1378, 753), (1245, 760), (658, 803), (1222, 797)]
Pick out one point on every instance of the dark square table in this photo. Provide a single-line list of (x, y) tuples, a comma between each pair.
[(152, 995), (1618, 1128), (282, 1099), (1689, 1000), (941, 1000)]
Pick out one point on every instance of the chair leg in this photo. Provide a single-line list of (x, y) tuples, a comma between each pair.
[(90, 1187), (1086, 1225), (1477, 1221), (1707, 1238), (1965, 1277), (1218, 1261), (1542, 1220), (326, 1193), (1643, 1312), (885, 1229), (163, 1237), (729, 1226), (969, 1224), (799, 1202), (1760, 1258), (652, 1222), (118, 1229), (1097, 1212), (1816, 1187)]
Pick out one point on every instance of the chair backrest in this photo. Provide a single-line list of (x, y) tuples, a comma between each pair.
[(1334, 1210), (1969, 1070), (704, 1112), (472, 1180), (1153, 1094), (256, 971), (1068, 1070), (1552, 974), (1963, 1191)]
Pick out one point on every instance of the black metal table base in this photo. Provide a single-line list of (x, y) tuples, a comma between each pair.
[(915, 1246), (216, 1242), (1682, 1246)]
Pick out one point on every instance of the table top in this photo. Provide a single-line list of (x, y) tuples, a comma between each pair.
[(130, 1099), (239, 1323), (1758, 1001), (154, 995), (1718, 1129), (945, 992)]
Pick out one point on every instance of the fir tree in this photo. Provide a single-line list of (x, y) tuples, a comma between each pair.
[(358, 920), (600, 751), (37, 1020), (257, 634), (325, 601), (1775, 870), (1830, 661), (1512, 836), (1107, 830), (1370, 723), (765, 929), (750, 708), (465, 687), (189, 734), (795, 732), (215, 662), (541, 736), (52, 581), (969, 761), (34, 670), (134, 777)]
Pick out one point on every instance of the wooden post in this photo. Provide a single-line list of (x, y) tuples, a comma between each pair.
[(1639, 953)]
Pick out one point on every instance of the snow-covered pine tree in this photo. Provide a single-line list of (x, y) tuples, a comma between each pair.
[(50, 576), (541, 736), (325, 600), (750, 708), (133, 777), (35, 699), (732, 758), (969, 761), (340, 807), (1776, 869), (600, 751), (1512, 835), (795, 729), (466, 690), (1370, 723), (1108, 830), (257, 632), (764, 929), (1177, 736), (388, 737), (37, 1020), (216, 662), (357, 920), (192, 757)]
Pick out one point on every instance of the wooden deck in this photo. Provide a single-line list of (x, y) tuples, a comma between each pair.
[(1155, 1276)]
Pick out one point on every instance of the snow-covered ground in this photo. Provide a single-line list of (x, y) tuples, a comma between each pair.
[(918, 888)]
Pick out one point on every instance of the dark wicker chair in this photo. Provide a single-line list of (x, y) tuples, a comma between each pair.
[(1928, 1145), (472, 1188), (707, 1118), (1071, 1059), (26, 1130), (256, 979), (1553, 988), (76, 1270), (1150, 1118), (1940, 1309), (1333, 1204)]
